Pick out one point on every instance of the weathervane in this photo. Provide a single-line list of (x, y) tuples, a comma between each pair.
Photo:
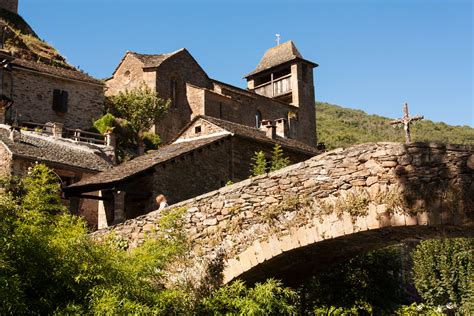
[(277, 38), (406, 120)]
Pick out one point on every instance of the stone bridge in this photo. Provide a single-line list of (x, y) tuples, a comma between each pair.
[(303, 218)]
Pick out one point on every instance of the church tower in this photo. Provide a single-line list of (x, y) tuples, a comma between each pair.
[(10, 5), (283, 74)]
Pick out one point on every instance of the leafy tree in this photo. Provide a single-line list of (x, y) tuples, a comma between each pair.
[(278, 160), (259, 166), (140, 107), (443, 272)]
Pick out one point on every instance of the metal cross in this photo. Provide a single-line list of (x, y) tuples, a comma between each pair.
[(406, 120), (278, 38)]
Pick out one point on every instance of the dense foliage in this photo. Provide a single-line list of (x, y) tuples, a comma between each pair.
[(342, 127), (139, 109), (444, 272)]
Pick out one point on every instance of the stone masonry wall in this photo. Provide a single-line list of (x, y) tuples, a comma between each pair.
[(33, 97), (341, 192), (10, 5)]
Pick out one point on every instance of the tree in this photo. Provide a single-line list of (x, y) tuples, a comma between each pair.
[(141, 108), (260, 164), (278, 161)]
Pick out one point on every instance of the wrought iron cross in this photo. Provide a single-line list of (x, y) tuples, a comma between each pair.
[(406, 120), (277, 38)]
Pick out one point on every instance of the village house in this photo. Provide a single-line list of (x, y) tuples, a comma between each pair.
[(37, 85), (281, 87), (70, 160), (204, 156)]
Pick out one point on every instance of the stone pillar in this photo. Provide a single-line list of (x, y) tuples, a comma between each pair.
[(57, 129), (15, 134), (74, 205), (101, 214), (119, 207), (110, 142)]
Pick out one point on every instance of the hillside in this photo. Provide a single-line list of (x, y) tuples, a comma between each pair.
[(342, 127), (20, 39)]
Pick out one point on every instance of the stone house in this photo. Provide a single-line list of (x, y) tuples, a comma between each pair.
[(281, 87), (204, 156), (70, 160), (37, 85)]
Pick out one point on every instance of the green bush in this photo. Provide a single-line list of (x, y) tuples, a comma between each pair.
[(105, 123), (443, 272)]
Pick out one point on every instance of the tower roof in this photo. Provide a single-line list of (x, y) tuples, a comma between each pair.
[(278, 55)]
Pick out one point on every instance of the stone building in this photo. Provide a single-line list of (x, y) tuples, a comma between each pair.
[(203, 157), (281, 87), (37, 85), (70, 160)]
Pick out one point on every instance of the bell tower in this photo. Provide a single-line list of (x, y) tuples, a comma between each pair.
[(10, 5), (284, 75)]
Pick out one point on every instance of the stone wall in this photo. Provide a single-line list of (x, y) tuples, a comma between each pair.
[(10, 5), (340, 193), (33, 96)]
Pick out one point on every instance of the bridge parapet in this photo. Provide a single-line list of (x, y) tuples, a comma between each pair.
[(373, 187)]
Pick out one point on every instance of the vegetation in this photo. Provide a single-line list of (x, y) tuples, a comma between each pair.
[(261, 166), (139, 110), (342, 127), (48, 264), (21, 39)]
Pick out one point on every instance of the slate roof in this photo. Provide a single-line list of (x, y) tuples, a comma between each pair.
[(48, 150), (56, 71), (141, 163), (278, 55), (256, 134)]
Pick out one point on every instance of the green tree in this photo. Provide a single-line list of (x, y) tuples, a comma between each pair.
[(259, 165), (443, 272), (141, 108), (278, 160)]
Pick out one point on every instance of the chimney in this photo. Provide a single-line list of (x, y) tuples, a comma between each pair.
[(15, 134), (282, 127), (264, 124), (57, 130), (271, 131), (111, 143)]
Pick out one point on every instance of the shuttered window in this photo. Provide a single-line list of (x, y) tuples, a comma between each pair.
[(60, 101)]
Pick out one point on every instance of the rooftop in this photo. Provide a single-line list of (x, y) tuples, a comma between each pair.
[(141, 164), (256, 134), (278, 55), (41, 148)]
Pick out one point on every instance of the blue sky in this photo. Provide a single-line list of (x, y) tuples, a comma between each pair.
[(373, 55)]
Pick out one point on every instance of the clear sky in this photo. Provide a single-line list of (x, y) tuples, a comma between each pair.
[(373, 54)]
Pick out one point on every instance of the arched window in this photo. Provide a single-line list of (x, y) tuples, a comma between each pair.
[(258, 119)]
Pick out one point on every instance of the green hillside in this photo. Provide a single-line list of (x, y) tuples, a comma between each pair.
[(342, 127)]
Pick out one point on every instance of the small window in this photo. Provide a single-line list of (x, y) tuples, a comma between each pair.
[(197, 129), (258, 119), (60, 101), (174, 93)]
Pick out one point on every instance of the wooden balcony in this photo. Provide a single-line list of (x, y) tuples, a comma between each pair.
[(275, 88)]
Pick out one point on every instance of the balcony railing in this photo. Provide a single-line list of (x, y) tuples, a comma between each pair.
[(275, 88)]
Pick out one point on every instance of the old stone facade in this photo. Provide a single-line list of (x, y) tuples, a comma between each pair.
[(70, 160), (42, 93), (287, 94), (307, 216), (10, 5), (205, 156)]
